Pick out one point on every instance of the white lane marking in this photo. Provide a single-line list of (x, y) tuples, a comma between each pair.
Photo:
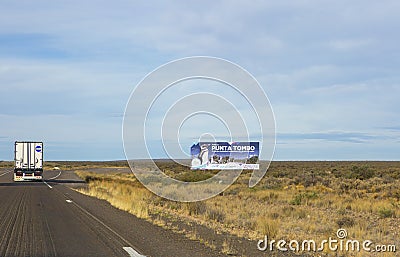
[(5, 173), (47, 184), (132, 252), (68, 201), (110, 229), (56, 176), (130, 249)]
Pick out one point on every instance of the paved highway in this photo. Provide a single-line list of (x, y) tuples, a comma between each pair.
[(50, 219)]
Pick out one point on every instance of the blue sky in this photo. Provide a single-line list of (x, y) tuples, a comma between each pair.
[(329, 68)]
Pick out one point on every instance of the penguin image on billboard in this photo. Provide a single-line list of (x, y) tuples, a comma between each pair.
[(203, 156), (201, 160)]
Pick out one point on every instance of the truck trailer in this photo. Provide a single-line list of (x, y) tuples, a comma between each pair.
[(28, 161)]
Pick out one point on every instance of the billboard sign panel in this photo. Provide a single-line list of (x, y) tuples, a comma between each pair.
[(225, 155)]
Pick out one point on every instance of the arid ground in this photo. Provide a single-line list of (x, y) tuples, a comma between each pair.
[(294, 201)]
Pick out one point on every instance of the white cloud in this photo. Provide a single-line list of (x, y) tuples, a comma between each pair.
[(323, 68)]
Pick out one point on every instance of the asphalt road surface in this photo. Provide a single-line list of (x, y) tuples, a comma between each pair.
[(48, 218)]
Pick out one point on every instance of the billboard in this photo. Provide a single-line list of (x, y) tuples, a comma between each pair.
[(225, 155)]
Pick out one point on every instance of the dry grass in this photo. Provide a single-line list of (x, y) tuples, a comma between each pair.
[(6, 164), (118, 190), (82, 165), (296, 200)]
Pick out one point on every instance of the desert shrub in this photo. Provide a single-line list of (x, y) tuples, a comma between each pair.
[(345, 222), (394, 174), (194, 176), (362, 173), (299, 214), (287, 210), (292, 212), (395, 194), (267, 196), (386, 213), (274, 215), (274, 183), (355, 172), (298, 199), (215, 214), (196, 208)]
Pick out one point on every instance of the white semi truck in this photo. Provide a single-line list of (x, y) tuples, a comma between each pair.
[(28, 161)]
